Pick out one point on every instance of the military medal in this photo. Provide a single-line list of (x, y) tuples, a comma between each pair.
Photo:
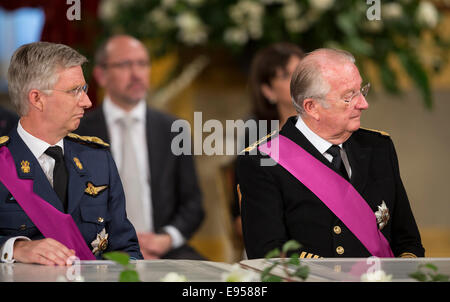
[(93, 190), (25, 166), (100, 243), (382, 215)]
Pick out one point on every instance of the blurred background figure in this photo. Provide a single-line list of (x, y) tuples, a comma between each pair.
[(270, 75), (163, 199), (7, 120)]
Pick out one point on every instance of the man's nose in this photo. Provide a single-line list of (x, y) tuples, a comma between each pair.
[(85, 102), (362, 103)]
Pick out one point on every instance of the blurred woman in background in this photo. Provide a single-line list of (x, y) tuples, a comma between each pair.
[(270, 75)]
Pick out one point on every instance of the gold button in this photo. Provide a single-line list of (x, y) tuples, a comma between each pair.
[(5, 256), (23, 227), (340, 250), (337, 229), (100, 220)]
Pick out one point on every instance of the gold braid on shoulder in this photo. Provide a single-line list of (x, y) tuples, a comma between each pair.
[(88, 140)]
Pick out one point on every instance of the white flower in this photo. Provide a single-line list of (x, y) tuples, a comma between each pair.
[(246, 10), (160, 18), (168, 3), (107, 9), (297, 25), (173, 277), (192, 30), (391, 11), (235, 35), (248, 15), (376, 276), (237, 274), (321, 4), (427, 14), (291, 10)]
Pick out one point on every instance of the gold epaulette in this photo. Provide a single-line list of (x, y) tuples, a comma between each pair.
[(88, 140), (255, 144), (4, 140), (377, 131), (309, 256)]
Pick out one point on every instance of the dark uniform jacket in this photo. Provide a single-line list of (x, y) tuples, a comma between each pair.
[(91, 212), (176, 196), (276, 207)]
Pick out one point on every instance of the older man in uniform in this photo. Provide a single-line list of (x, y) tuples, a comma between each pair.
[(332, 186), (60, 194)]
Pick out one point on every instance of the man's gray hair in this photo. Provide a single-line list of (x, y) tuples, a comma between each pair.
[(308, 81), (35, 66)]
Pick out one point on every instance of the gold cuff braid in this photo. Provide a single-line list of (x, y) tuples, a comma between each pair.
[(407, 255)]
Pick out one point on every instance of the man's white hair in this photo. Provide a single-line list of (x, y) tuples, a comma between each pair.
[(308, 80)]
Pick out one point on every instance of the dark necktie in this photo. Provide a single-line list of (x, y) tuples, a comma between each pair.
[(59, 174), (337, 163)]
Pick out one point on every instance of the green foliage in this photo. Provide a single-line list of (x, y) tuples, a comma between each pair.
[(372, 33), (428, 272), (128, 274), (291, 266)]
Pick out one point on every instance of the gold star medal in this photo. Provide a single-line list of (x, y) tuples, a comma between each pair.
[(382, 215), (100, 243)]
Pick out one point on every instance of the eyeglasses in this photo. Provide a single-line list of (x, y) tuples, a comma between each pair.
[(128, 64), (76, 92), (364, 91)]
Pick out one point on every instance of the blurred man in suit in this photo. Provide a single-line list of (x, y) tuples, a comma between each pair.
[(163, 198), (7, 120), (333, 187), (60, 194)]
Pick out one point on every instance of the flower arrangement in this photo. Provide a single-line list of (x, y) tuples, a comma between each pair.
[(372, 30)]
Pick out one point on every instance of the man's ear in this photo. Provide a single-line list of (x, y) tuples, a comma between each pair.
[(99, 75), (36, 99), (310, 106), (268, 93)]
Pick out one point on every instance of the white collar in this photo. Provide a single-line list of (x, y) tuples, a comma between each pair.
[(113, 112), (318, 142), (36, 145)]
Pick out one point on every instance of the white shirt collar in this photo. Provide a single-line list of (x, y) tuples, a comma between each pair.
[(36, 145), (318, 142), (114, 112)]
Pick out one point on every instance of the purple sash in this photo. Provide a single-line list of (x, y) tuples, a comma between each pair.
[(51, 222), (333, 190)]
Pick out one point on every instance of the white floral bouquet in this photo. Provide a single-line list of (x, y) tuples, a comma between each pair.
[(372, 30)]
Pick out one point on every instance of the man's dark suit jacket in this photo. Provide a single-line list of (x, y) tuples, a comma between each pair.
[(176, 196), (91, 212), (276, 207)]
